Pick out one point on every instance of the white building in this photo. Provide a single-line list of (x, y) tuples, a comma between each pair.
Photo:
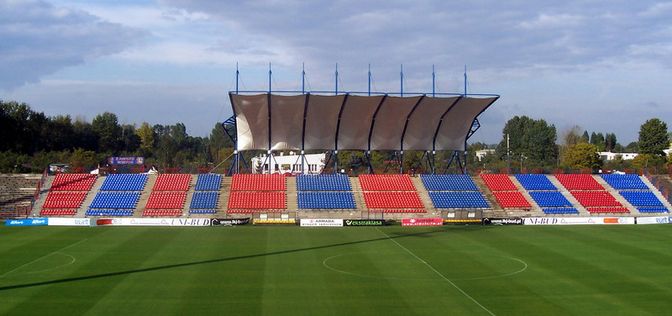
[(292, 163), (606, 155), (484, 152)]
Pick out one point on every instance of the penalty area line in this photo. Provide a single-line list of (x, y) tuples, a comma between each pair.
[(47, 255), (437, 273)]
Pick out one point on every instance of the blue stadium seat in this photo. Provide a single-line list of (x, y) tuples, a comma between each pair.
[(652, 209), (560, 210), (625, 181), (203, 211), (642, 198), (124, 182), (204, 200), (115, 200), (465, 199), (323, 182), (550, 199), (108, 212), (208, 182), (535, 182), (448, 182), (326, 200)]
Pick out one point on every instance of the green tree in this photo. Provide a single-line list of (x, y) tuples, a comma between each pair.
[(597, 139), (653, 138), (146, 134), (582, 156), (534, 140), (584, 137), (106, 126), (83, 158), (610, 142)]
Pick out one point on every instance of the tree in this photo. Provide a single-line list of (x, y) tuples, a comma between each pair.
[(582, 156), (146, 135), (633, 147), (106, 126), (610, 142), (572, 136), (653, 138), (584, 137), (533, 140), (597, 139)]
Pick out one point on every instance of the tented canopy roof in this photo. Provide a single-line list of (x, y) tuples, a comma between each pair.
[(354, 122)]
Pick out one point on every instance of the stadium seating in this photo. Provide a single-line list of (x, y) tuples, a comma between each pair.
[(560, 210), (204, 200), (115, 200), (386, 182), (172, 182), (549, 199), (326, 200), (578, 182), (203, 211), (511, 199), (625, 181), (124, 182), (108, 212), (64, 200), (252, 211), (335, 182), (606, 210), (256, 200), (58, 212), (162, 212), (166, 200), (644, 201), (596, 199), (393, 200), (258, 182), (208, 182), (73, 182), (498, 182), (652, 209), (407, 211), (535, 182), (448, 182), (465, 199)]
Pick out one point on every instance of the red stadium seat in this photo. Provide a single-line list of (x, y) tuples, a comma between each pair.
[(511, 200), (392, 200), (73, 182), (578, 182), (386, 182), (257, 200), (258, 182), (172, 182), (166, 200), (498, 182)]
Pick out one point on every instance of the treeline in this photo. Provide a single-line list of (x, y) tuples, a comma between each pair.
[(31, 140), (533, 145)]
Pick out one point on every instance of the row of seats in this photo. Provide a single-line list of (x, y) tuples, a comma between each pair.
[(115, 200), (535, 182), (511, 199), (258, 182), (448, 182), (625, 181), (208, 182), (607, 210), (326, 200), (204, 200), (332, 182), (162, 212), (257, 200), (550, 199), (579, 182), (172, 182), (166, 200), (108, 212), (58, 212), (386, 182), (498, 182), (73, 182), (465, 199), (61, 200), (560, 210), (392, 200), (203, 211), (124, 182), (596, 199)]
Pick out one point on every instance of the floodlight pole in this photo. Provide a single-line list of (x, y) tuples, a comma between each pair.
[(401, 75), (465, 80), (369, 79), (237, 77), (270, 77), (336, 80), (433, 82), (303, 78)]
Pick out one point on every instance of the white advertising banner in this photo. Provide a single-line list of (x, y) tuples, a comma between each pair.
[(321, 222), (579, 220), (653, 220), (55, 221), (197, 222)]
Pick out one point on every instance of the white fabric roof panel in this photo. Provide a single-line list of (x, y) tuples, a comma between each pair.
[(356, 118), (423, 122), (251, 120), (287, 121), (321, 121), (391, 115), (353, 120), (457, 122)]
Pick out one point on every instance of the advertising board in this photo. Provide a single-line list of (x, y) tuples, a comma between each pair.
[(321, 222), (126, 160), (364, 222), (56, 221), (432, 221), (578, 220), (653, 220), (502, 221), (41, 221), (229, 221), (185, 222)]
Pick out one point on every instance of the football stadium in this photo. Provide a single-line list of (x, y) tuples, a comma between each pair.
[(296, 241)]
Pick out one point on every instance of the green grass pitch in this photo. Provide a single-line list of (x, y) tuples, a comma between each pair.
[(449, 270)]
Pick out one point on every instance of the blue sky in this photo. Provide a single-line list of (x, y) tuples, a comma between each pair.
[(602, 65)]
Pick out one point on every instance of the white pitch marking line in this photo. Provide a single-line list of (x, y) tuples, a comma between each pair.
[(438, 273), (40, 258)]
